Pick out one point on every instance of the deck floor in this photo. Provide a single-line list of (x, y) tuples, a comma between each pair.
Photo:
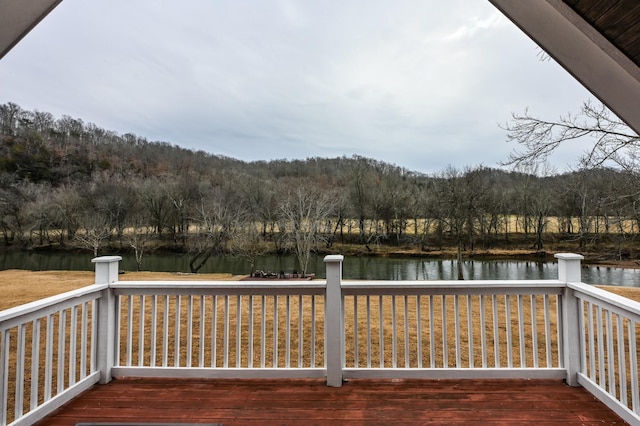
[(358, 402)]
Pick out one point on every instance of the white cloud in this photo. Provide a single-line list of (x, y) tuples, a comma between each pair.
[(405, 82)]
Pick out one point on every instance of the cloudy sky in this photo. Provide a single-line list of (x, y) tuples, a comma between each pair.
[(419, 83)]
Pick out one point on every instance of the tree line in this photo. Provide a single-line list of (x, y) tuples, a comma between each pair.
[(66, 184)]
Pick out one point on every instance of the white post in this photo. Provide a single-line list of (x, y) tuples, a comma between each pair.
[(106, 273), (569, 271), (333, 317)]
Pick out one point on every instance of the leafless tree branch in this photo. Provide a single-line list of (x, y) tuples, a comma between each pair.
[(613, 141)]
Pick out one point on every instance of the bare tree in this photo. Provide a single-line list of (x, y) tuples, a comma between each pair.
[(249, 244), (137, 237), (306, 207), (95, 230), (215, 223), (613, 140)]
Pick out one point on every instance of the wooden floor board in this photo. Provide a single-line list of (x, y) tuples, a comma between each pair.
[(358, 402)]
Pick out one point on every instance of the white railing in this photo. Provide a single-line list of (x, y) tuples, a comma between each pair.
[(609, 365), (453, 329), (334, 329), (47, 354), (210, 329)]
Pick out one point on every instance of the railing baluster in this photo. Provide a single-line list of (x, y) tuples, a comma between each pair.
[(225, 337), (633, 368), (456, 321), (214, 332), (368, 331), (547, 331), (35, 362), (275, 331), (394, 343), (48, 355), (263, 332), (356, 362), (445, 341), (559, 314), (534, 331), (483, 331), (165, 331), (83, 340), (601, 378), (288, 332), (129, 344), (419, 330), (406, 331), (154, 327), (610, 354), (507, 307), (20, 366), (592, 344), (496, 331), (73, 344), (250, 323), (202, 329), (313, 331), (521, 336), (470, 331), (432, 336), (118, 330), (583, 336), (62, 326), (5, 338), (622, 365), (141, 338), (381, 330), (189, 331), (300, 332), (238, 330), (94, 336), (177, 344)]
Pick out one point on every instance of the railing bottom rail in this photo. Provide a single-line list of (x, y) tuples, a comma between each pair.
[(455, 373), (226, 373)]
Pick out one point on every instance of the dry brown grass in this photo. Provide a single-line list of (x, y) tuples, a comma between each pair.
[(19, 286)]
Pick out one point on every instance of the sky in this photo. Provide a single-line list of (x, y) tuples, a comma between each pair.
[(421, 84)]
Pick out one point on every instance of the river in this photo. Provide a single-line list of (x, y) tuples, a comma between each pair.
[(365, 268)]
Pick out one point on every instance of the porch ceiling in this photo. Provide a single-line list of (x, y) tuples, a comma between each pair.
[(618, 21)]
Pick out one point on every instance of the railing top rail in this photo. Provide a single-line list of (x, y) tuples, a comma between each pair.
[(457, 287), (621, 303), (45, 304), (220, 287)]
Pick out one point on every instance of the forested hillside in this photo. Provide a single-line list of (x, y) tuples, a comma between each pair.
[(68, 184)]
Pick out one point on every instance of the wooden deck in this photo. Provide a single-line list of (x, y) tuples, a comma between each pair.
[(358, 402)]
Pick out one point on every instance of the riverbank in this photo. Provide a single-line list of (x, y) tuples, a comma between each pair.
[(601, 254), (594, 258)]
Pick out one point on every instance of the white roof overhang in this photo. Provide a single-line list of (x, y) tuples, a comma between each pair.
[(18, 17), (583, 51)]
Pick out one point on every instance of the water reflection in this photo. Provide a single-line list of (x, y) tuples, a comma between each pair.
[(362, 268)]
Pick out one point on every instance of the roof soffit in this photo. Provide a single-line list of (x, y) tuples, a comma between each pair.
[(18, 17), (607, 72)]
